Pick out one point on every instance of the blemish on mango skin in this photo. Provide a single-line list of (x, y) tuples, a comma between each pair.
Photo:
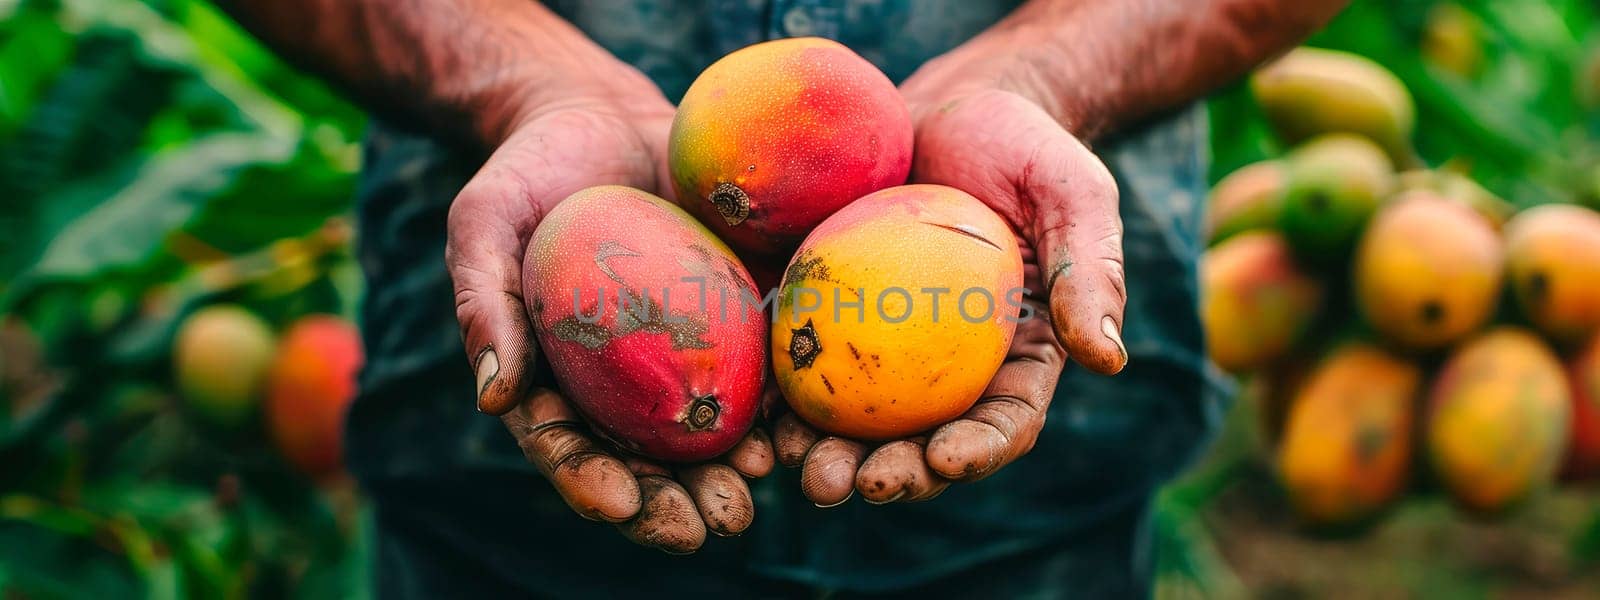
[(687, 330), (592, 336), (970, 232), (807, 267), (605, 252)]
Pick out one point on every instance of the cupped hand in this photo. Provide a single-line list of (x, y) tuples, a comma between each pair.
[(548, 154), (1062, 202)]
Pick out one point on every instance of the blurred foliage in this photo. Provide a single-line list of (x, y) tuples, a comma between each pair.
[(1522, 123), (154, 158)]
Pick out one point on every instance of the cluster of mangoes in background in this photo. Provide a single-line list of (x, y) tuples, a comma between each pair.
[(1402, 327)]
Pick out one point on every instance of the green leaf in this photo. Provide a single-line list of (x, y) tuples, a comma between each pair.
[(33, 51), (160, 195)]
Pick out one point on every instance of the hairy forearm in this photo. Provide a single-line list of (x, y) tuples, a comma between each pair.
[(1096, 64), (464, 69)]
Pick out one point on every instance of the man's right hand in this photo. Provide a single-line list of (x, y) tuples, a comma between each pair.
[(549, 153)]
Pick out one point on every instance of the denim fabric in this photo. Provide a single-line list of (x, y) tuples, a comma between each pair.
[(1068, 519)]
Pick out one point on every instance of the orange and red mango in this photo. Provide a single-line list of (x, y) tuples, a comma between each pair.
[(1249, 198), (861, 348), (1346, 449), (310, 387), (652, 325), (773, 138), (1583, 454), (1255, 301), (1554, 264), (220, 358), (1498, 417), (1428, 271)]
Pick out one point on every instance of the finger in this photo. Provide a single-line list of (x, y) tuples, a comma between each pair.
[(898, 472), (1005, 422), (1078, 235), (488, 226), (752, 456), (772, 402), (594, 483), (722, 497), (668, 519), (793, 438), (828, 477)]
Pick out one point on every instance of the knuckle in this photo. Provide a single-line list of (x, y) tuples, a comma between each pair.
[(554, 445)]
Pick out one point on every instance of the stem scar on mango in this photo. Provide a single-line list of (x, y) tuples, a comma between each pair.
[(1432, 312), (731, 202), (804, 347), (702, 413)]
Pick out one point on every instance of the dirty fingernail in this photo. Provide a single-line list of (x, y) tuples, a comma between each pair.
[(488, 368), (894, 498), (1108, 326)]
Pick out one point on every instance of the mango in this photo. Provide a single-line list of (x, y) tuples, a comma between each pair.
[(1346, 449), (220, 358), (1428, 271), (309, 389), (771, 139), (1553, 261), (1255, 302), (1336, 183), (1498, 417), (1452, 39), (653, 327), (1248, 198), (896, 312), (1583, 374), (1313, 91), (1460, 188)]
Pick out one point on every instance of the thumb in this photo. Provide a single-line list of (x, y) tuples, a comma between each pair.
[(489, 224), (1077, 232)]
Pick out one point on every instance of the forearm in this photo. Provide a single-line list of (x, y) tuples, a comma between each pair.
[(466, 69), (1096, 65)]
